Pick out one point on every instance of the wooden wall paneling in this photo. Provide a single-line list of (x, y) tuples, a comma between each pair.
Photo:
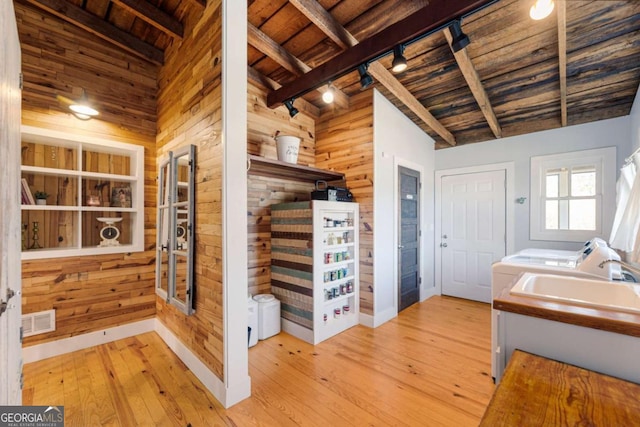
[(263, 192), (263, 123), (59, 59), (189, 112), (344, 143), (292, 261)]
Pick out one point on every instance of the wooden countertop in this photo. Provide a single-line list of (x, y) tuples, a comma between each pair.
[(606, 320), (536, 391)]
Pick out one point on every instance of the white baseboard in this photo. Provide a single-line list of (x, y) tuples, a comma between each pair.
[(228, 396), (38, 352), (378, 319), (428, 293)]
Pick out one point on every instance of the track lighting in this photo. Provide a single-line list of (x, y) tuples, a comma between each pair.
[(399, 63), (328, 94), (365, 77), (460, 39), (82, 109), (541, 9), (292, 110)]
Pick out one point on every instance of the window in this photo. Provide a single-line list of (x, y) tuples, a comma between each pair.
[(569, 193)]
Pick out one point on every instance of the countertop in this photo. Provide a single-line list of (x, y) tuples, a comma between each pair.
[(606, 320), (536, 391)]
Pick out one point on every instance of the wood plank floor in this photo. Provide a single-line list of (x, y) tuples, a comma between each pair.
[(428, 367)]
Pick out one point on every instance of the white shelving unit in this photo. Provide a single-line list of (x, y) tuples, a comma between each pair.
[(71, 168), (318, 287)]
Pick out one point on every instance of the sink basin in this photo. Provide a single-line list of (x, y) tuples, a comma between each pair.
[(585, 292)]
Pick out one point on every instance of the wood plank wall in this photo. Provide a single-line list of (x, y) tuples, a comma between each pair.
[(97, 292), (344, 143), (189, 112), (262, 125)]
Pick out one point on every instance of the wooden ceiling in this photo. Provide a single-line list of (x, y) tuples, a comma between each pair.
[(580, 64)]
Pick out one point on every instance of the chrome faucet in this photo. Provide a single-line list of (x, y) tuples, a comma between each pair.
[(622, 263)]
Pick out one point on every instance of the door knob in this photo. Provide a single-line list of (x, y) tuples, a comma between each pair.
[(443, 245)]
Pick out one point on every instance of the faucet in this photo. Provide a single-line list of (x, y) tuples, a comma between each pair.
[(622, 263)]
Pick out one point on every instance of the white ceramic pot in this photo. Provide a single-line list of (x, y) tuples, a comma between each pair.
[(41, 201), (288, 147)]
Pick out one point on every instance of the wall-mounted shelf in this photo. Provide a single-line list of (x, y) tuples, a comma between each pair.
[(283, 170)]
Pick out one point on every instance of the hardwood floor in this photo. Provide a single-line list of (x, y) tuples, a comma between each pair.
[(430, 366)]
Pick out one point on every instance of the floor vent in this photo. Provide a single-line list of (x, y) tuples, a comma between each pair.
[(38, 323)]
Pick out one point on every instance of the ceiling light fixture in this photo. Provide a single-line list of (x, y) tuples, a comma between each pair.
[(82, 109), (399, 63), (541, 9), (365, 77), (460, 39), (292, 110), (328, 94)]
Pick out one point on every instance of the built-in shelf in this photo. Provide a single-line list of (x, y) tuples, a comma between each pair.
[(283, 170)]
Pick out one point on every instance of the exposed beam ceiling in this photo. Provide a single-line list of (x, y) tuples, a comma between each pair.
[(154, 16), (562, 58), (91, 23), (343, 38), (302, 104), (269, 47), (438, 14), (475, 85)]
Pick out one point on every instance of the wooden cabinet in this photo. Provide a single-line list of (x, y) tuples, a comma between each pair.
[(91, 185), (314, 267)]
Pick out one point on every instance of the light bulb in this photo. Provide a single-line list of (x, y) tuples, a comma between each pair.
[(541, 9), (327, 96)]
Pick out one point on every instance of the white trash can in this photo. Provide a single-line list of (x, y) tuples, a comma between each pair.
[(253, 321), (268, 315)]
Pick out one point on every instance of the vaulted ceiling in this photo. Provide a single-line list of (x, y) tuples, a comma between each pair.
[(580, 64)]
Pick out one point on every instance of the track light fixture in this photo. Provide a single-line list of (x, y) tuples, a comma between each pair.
[(365, 77), (292, 110), (541, 9), (460, 39), (399, 63), (328, 94), (82, 109)]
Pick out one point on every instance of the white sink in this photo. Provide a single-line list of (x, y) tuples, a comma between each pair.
[(599, 294)]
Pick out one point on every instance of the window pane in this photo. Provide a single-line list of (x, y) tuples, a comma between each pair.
[(583, 214), (552, 185), (563, 214), (583, 184), (551, 215)]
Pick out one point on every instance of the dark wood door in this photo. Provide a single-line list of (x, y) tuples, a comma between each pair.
[(409, 238)]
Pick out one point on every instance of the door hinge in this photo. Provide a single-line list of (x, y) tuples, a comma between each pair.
[(20, 81), (5, 304), (420, 280)]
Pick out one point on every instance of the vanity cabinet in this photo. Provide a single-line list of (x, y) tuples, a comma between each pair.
[(603, 341), (94, 195), (315, 268)]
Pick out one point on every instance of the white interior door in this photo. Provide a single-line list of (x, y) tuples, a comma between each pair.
[(10, 242), (473, 231)]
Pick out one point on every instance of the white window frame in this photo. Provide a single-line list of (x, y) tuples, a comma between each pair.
[(604, 159)]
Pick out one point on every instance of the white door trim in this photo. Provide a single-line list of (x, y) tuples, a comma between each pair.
[(509, 168), (397, 163)]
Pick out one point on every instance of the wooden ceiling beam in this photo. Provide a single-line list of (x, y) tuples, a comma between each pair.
[(341, 36), (98, 27), (144, 10), (562, 58), (273, 50), (475, 85), (304, 106), (437, 14)]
